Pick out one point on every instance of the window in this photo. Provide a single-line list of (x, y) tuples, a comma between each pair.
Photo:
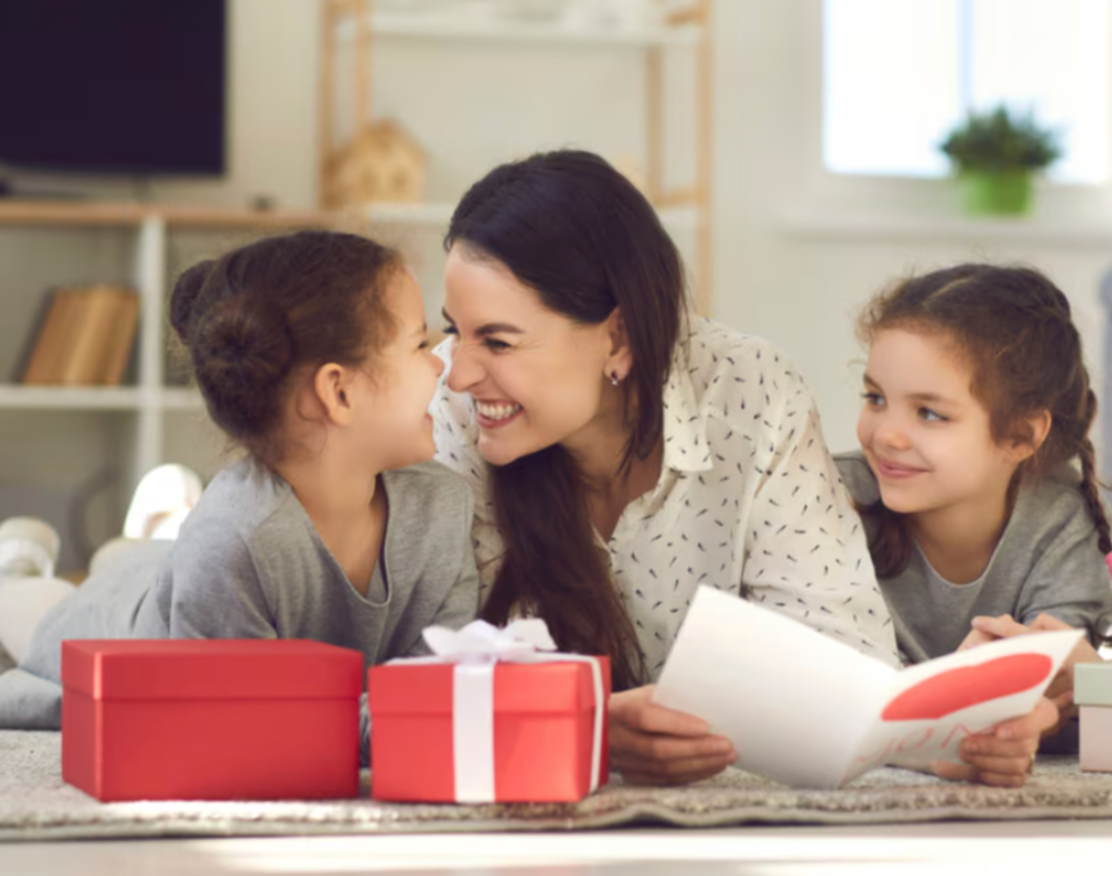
[(898, 74)]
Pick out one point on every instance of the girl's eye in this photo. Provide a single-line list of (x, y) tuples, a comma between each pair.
[(451, 330), (424, 345), (932, 416), (873, 399)]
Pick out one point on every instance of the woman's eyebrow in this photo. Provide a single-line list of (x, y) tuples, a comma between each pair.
[(491, 328)]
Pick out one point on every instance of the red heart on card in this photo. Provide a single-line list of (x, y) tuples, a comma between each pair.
[(958, 689)]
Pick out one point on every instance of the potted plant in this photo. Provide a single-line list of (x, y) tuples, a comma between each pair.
[(996, 153)]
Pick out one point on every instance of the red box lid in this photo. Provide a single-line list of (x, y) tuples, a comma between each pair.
[(129, 669), (523, 688)]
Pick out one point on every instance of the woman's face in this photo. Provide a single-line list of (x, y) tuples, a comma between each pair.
[(536, 377)]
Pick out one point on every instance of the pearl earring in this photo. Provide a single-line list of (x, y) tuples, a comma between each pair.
[(614, 379)]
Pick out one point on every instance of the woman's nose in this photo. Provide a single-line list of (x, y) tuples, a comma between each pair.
[(464, 372)]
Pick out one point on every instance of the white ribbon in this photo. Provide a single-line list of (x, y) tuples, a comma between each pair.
[(475, 650)]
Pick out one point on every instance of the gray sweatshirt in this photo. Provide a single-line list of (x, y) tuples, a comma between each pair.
[(250, 564), (1047, 560)]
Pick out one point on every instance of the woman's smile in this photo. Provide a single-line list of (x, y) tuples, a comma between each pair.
[(493, 414)]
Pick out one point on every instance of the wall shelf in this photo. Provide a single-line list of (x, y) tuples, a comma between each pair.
[(46, 398), (449, 27), (355, 28)]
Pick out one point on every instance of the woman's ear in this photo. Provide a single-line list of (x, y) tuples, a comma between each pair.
[(619, 361), (332, 388), (1038, 427)]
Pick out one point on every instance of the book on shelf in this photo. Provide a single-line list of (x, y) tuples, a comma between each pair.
[(807, 710), (84, 337)]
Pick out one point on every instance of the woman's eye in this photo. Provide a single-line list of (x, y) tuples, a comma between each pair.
[(873, 399), (496, 345), (450, 330), (932, 416)]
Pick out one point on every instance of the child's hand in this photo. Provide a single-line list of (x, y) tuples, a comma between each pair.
[(1060, 692), (989, 629), (654, 745), (1003, 627), (1005, 755)]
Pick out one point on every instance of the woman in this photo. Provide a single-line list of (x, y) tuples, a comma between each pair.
[(623, 452)]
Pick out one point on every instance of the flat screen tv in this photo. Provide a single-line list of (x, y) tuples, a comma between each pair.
[(132, 87)]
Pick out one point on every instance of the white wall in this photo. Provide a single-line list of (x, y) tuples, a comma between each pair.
[(799, 252), (273, 51)]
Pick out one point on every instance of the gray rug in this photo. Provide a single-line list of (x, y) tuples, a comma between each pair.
[(35, 804)]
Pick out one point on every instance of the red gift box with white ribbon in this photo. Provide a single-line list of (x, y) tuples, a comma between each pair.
[(211, 719), (493, 716)]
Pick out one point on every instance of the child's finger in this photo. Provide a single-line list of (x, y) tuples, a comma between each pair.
[(989, 746), (1002, 780), (976, 638), (1030, 726), (1048, 622), (1001, 627), (954, 772), (1063, 701), (985, 764)]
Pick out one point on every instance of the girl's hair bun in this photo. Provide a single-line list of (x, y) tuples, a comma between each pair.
[(277, 307), (186, 292)]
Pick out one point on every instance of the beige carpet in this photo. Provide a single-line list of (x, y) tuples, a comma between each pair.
[(36, 804)]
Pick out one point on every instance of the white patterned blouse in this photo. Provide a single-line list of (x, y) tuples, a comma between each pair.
[(748, 498)]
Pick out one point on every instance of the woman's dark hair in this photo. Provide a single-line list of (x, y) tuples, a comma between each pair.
[(576, 231), (267, 311), (1013, 326)]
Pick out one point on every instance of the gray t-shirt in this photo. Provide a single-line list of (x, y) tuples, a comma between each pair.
[(250, 564), (1047, 560)]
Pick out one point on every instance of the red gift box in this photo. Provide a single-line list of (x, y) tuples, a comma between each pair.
[(210, 719), (543, 728)]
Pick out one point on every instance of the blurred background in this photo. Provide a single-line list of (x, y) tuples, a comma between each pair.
[(792, 147)]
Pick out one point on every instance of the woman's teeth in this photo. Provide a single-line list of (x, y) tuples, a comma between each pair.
[(497, 411)]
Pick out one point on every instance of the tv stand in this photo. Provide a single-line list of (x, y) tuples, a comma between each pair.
[(10, 191)]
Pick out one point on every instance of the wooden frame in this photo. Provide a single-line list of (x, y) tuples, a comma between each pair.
[(698, 195)]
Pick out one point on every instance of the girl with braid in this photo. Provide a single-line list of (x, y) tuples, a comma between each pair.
[(976, 476)]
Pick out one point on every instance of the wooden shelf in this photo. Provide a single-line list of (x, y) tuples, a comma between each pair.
[(132, 214), (88, 398), (508, 31), (439, 214), (98, 398), (181, 399)]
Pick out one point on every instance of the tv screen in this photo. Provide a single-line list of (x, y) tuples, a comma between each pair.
[(113, 86)]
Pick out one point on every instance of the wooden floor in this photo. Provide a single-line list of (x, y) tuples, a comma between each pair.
[(953, 849)]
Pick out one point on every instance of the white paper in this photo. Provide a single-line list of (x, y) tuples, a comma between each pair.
[(805, 709)]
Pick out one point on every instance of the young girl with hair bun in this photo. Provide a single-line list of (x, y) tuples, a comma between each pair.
[(310, 352), (976, 477)]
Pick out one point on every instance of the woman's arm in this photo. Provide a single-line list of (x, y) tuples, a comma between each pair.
[(806, 554)]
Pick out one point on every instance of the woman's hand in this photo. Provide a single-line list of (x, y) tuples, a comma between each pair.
[(1003, 756), (654, 745)]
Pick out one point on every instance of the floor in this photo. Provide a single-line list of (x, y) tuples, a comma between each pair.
[(953, 849)]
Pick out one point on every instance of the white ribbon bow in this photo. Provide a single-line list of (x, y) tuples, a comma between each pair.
[(475, 650), (480, 641)]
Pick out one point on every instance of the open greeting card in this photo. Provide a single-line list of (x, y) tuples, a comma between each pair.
[(807, 710)]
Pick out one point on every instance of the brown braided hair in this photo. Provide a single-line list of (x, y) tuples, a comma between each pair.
[(1015, 329)]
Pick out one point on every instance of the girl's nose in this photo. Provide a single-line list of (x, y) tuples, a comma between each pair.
[(891, 434)]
